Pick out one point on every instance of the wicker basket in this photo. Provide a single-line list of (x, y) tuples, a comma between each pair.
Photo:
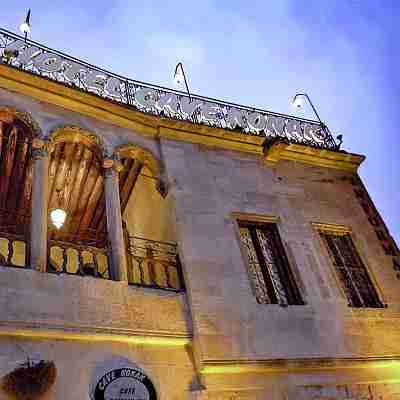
[(30, 381)]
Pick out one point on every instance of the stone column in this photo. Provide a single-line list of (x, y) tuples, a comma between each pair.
[(39, 221), (114, 220)]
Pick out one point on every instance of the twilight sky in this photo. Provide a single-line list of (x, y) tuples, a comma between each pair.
[(344, 53)]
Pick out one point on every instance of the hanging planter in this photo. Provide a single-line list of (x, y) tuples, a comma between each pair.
[(30, 381)]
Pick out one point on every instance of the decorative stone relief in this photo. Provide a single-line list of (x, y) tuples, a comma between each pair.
[(388, 244)]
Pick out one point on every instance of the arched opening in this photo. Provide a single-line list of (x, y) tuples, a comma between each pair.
[(76, 185), (149, 224), (16, 168)]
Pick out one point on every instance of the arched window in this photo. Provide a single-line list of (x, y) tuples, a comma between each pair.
[(16, 167), (149, 223), (76, 185)]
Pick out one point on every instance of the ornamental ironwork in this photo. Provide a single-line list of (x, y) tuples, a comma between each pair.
[(39, 60), (270, 273), (354, 278)]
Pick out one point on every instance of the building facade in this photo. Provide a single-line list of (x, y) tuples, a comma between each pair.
[(210, 251)]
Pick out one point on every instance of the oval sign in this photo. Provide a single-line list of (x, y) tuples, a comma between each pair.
[(125, 384)]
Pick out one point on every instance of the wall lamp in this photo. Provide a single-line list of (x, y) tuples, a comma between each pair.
[(180, 76), (297, 103), (25, 27)]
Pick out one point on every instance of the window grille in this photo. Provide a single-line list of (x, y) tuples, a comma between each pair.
[(269, 269), (350, 269)]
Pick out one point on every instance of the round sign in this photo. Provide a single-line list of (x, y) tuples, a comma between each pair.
[(125, 384)]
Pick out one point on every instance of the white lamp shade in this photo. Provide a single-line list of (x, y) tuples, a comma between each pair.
[(25, 28), (178, 77), (58, 217), (298, 102)]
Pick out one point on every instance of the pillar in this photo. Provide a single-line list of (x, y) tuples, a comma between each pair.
[(39, 221), (114, 220)]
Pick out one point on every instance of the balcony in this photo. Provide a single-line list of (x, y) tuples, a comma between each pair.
[(154, 264), (109, 232)]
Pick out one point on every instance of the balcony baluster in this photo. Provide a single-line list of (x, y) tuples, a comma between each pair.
[(154, 264)]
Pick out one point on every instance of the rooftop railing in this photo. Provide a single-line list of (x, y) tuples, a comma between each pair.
[(39, 60)]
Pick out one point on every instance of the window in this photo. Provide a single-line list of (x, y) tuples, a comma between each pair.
[(270, 273), (353, 276)]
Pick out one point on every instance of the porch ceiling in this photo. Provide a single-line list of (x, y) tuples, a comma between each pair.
[(76, 183), (15, 176)]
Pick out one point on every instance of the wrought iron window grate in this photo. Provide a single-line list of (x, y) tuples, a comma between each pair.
[(270, 272), (354, 278)]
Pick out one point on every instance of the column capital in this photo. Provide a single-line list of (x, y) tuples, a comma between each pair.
[(112, 165), (41, 148)]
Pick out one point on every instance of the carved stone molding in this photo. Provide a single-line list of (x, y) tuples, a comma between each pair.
[(149, 161), (9, 114), (297, 364), (40, 148), (72, 133), (112, 165), (38, 154)]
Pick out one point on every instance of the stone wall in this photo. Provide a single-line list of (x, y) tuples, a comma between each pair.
[(230, 328), (30, 298), (169, 368), (209, 185), (148, 214)]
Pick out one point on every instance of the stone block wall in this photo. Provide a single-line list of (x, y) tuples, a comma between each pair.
[(30, 298), (148, 214), (209, 185), (169, 368)]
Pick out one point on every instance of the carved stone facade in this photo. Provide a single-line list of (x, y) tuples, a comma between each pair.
[(174, 182)]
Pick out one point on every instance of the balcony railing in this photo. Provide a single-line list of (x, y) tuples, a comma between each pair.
[(39, 60), (14, 239), (75, 259), (154, 264), (14, 251)]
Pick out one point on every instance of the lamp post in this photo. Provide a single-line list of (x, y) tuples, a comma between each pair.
[(297, 103), (25, 27), (180, 76)]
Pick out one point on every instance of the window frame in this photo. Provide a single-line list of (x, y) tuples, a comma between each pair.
[(294, 293), (343, 230)]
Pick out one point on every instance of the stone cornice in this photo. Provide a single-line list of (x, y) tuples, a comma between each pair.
[(297, 365), (40, 330), (313, 156), (105, 110), (153, 126)]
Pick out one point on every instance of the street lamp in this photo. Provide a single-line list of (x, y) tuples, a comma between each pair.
[(297, 103), (180, 76), (26, 25)]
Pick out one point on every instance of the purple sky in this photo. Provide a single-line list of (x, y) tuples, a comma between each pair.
[(343, 53)]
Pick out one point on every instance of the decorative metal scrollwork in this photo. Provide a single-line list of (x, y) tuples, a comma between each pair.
[(151, 99)]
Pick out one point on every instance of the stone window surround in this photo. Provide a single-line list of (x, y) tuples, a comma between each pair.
[(266, 219), (339, 229)]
